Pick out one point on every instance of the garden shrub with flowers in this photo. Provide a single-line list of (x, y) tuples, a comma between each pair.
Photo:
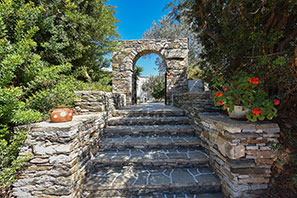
[(247, 91)]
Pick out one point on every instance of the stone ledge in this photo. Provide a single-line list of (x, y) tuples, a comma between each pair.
[(47, 126), (224, 123)]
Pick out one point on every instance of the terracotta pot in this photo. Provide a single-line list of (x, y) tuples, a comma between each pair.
[(238, 113), (61, 114)]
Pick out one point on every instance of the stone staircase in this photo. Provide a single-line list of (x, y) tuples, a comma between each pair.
[(150, 151)]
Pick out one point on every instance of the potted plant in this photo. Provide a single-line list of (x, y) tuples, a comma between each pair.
[(243, 97)]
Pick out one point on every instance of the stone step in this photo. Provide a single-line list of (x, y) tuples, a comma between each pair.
[(146, 113), (151, 157), (141, 142), (163, 195), (128, 181), (143, 130), (182, 120)]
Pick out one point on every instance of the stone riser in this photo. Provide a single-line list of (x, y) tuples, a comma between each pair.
[(108, 146), (167, 195), (147, 114), (148, 131), (149, 121), (152, 164)]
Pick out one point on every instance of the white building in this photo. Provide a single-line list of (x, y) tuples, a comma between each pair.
[(143, 95)]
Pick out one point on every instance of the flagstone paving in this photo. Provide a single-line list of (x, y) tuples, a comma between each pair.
[(150, 151)]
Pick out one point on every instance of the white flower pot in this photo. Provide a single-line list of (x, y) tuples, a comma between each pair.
[(238, 113)]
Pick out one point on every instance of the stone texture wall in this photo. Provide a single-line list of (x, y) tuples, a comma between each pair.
[(60, 152), (98, 101), (240, 151), (174, 52)]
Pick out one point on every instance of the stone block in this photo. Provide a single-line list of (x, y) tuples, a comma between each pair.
[(230, 150)]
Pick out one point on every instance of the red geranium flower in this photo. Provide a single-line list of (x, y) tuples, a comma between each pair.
[(219, 94), (257, 111), (220, 103), (276, 102), (254, 80)]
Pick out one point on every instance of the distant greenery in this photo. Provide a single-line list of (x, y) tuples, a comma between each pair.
[(156, 86), (48, 49)]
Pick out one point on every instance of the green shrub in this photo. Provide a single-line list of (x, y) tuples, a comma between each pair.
[(13, 110), (10, 162)]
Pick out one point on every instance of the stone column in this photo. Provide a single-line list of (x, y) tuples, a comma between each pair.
[(241, 152), (60, 152)]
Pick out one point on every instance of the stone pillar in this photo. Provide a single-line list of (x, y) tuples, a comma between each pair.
[(60, 152), (241, 153), (98, 101)]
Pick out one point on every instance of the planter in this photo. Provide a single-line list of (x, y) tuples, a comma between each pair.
[(238, 113), (61, 114)]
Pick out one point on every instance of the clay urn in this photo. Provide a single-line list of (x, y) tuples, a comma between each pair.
[(61, 114)]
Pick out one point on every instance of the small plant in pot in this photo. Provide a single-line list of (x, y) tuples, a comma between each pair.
[(243, 97)]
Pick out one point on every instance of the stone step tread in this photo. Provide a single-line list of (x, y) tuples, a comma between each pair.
[(147, 156), (136, 129), (148, 120), (150, 141), (131, 178), (168, 195), (137, 113)]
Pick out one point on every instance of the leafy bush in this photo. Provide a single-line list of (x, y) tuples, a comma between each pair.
[(10, 162), (48, 49)]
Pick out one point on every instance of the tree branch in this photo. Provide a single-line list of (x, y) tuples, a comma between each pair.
[(288, 39)]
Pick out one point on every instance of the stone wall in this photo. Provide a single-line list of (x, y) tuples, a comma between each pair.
[(60, 152), (173, 51), (98, 101), (240, 151)]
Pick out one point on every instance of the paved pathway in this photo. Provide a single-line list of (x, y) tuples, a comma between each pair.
[(151, 150)]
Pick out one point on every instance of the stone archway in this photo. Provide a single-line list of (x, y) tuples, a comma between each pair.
[(174, 53)]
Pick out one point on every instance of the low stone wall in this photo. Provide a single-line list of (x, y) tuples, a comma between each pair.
[(240, 151), (60, 152), (194, 103), (98, 101)]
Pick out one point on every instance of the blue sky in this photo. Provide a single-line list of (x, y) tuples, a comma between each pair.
[(136, 16)]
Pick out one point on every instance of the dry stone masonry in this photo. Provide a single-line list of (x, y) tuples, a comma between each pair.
[(60, 152), (174, 53), (240, 151), (98, 101)]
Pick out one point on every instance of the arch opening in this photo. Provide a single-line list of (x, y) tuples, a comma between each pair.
[(149, 85)]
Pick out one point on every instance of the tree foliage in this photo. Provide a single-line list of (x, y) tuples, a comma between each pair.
[(255, 36), (170, 29), (45, 47), (78, 32), (48, 49), (156, 86)]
